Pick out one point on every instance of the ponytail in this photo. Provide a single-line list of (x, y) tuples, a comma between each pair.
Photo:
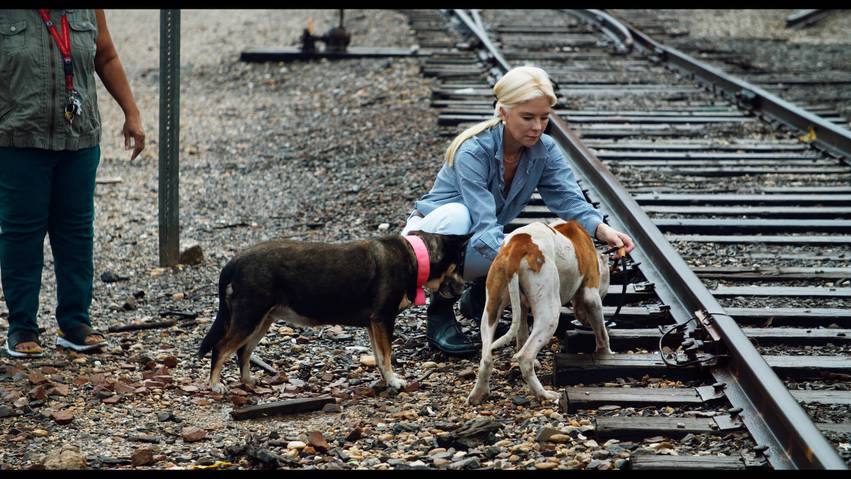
[(466, 135)]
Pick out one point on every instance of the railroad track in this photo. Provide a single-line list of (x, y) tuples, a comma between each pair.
[(824, 92), (740, 293)]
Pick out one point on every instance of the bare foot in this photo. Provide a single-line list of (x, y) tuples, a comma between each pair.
[(94, 338), (29, 347)]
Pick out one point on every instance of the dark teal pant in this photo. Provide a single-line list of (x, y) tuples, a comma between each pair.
[(52, 192)]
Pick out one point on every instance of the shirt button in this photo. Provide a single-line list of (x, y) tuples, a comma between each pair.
[(13, 28)]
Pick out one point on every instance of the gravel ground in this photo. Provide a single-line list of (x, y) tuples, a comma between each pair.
[(313, 151), (764, 24)]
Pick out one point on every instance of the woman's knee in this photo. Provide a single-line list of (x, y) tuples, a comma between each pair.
[(454, 218)]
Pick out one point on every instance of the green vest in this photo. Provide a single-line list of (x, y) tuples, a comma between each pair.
[(32, 81)]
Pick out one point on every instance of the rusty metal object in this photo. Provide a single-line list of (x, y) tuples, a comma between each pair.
[(336, 41)]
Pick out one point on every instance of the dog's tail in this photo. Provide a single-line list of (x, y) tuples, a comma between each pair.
[(516, 311), (220, 325)]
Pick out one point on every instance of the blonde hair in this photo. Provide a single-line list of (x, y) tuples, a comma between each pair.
[(519, 85)]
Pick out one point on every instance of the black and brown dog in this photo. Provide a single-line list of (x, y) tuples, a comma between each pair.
[(362, 283)]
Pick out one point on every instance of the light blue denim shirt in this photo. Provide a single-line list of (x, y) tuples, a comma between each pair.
[(476, 180)]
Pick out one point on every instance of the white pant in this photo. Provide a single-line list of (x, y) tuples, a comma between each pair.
[(451, 219)]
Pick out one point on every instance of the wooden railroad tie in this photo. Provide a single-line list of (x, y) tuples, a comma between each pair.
[(277, 408), (576, 398), (570, 369)]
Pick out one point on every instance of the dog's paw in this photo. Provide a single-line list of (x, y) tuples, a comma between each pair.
[(604, 352), (396, 383), (549, 396), (475, 398), (249, 381), (219, 388)]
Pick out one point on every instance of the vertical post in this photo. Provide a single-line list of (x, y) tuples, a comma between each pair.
[(168, 197)]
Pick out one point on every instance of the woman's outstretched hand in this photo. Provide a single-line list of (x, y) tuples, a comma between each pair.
[(615, 239)]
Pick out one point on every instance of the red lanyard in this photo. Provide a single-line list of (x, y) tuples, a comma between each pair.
[(64, 44)]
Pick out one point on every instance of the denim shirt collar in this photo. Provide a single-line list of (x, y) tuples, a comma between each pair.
[(528, 157)]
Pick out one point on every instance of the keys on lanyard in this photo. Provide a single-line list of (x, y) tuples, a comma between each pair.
[(74, 105)]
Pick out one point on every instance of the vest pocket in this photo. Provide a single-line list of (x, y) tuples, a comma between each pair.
[(83, 36), (12, 38)]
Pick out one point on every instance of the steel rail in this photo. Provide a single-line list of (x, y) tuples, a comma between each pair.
[(805, 18), (770, 413), (829, 136), (609, 26)]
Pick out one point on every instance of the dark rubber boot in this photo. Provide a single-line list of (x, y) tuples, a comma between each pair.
[(472, 302), (472, 305), (443, 331)]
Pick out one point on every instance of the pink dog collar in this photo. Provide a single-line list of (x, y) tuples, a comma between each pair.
[(422, 266)]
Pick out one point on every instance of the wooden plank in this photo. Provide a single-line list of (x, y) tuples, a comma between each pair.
[(821, 396), (631, 317), (822, 212), (628, 316), (571, 369), (767, 239), (713, 172), (717, 163), (841, 428), (455, 117), (577, 341), (787, 291), (832, 189), (731, 199), (659, 198), (706, 155), (141, 326), (807, 317), (289, 406), (478, 107), (638, 427), (605, 131), (696, 145), (770, 273), (653, 462), (693, 226), (583, 397), (809, 366)]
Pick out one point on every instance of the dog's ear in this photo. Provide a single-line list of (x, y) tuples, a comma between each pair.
[(456, 243), (460, 239)]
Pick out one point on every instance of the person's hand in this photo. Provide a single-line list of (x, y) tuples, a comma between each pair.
[(614, 239), (133, 129)]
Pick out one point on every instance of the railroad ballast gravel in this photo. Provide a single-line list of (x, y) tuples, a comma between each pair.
[(321, 151)]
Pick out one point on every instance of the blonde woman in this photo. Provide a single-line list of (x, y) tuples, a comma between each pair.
[(490, 172)]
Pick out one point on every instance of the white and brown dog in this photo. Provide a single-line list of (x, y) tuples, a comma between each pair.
[(561, 264)]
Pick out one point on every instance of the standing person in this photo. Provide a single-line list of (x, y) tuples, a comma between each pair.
[(490, 173), (49, 153)]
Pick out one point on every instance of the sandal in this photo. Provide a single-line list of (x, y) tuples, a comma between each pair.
[(76, 338), (13, 340)]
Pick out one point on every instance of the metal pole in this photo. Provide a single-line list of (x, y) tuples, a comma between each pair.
[(168, 197)]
